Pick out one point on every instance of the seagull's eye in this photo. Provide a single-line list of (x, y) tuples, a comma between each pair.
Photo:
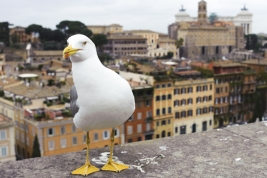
[(84, 43)]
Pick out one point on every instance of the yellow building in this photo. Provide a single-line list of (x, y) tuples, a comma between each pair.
[(193, 105), (105, 29), (61, 136), (162, 109), (7, 141)]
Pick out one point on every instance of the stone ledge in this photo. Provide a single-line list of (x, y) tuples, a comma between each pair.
[(229, 152)]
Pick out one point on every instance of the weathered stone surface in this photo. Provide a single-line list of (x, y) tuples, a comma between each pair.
[(230, 152)]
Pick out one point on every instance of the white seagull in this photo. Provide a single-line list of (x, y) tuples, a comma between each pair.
[(104, 99)]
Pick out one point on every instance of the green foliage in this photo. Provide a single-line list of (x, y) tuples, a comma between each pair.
[(206, 73), (259, 101), (169, 55), (14, 38), (213, 17), (52, 45), (4, 32), (261, 77), (66, 113), (40, 67), (104, 57), (73, 27), (252, 42), (36, 148), (179, 43), (51, 82), (2, 93), (99, 39)]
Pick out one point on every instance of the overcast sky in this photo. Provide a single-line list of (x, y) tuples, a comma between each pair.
[(154, 15)]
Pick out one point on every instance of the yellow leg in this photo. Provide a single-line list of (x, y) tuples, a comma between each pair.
[(87, 168), (111, 165)]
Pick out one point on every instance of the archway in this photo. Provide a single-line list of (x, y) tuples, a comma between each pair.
[(163, 134), (221, 122)]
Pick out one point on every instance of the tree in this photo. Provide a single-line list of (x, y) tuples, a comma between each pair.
[(252, 42), (36, 148), (14, 38), (73, 27), (213, 17), (179, 43), (169, 55), (4, 32), (99, 40)]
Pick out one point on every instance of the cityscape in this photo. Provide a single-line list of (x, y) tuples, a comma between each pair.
[(206, 72)]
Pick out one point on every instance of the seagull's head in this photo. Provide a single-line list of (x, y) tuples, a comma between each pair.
[(79, 48)]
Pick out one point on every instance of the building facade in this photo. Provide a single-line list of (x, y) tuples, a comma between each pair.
[(243, 18), (105, 29)]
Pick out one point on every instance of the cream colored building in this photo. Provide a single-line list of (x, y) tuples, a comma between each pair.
[(7, 139), (163, 109), (105, 29), (193, 106)]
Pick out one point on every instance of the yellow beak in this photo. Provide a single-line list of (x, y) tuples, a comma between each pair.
[(68, 51)]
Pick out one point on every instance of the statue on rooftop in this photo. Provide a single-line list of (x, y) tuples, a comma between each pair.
[(244, 8), (182, 9)]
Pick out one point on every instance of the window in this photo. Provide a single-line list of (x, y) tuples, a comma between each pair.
[(163, 111), (157, 112), (130, 140), (84, 138), (169, 121), (51, 145), (226, 89), (210, 122), (210, 87), (4, 151), (3, 135), (169, 134), (157, 136), (190, 112), (177, 115), (198, 99), (190, 90), (163, 122), (62, 130), (176, 129), (157, 123), (176, 103), (169, 84), (139, 115), (63, 142), (217, 90), (163, 97), (130, 130), (198, 88), (205, 88), (106, 133), (157, 98), (183, 102), (190, 101), (210, 109), (73, 128), (148, 103), (50, 132), (205, 110), (216, 100), (148, 114), (74, 140), (157, 86), (139, 139), (27, 140), (169, 96), (210, 97), (169, 110), (33, 131), (176, 91), (183, 90), (183, 114), (95, 136), (183, 129), (139, 128), (163, 85), (204, 99), (198, 111), (148, 127)]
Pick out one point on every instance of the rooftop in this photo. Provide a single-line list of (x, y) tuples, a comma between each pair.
[(229, 152)]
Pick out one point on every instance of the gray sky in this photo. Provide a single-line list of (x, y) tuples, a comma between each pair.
[(154, 15)]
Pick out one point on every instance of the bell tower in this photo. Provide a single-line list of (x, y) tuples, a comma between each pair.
[(202, 12)]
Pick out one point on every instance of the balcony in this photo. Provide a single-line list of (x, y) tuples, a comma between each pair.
[(228, 152)]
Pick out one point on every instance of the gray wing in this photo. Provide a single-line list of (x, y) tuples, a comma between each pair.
[(73, 98)]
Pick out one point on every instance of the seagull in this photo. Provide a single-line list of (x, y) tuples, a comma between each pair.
[(100, 98)]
